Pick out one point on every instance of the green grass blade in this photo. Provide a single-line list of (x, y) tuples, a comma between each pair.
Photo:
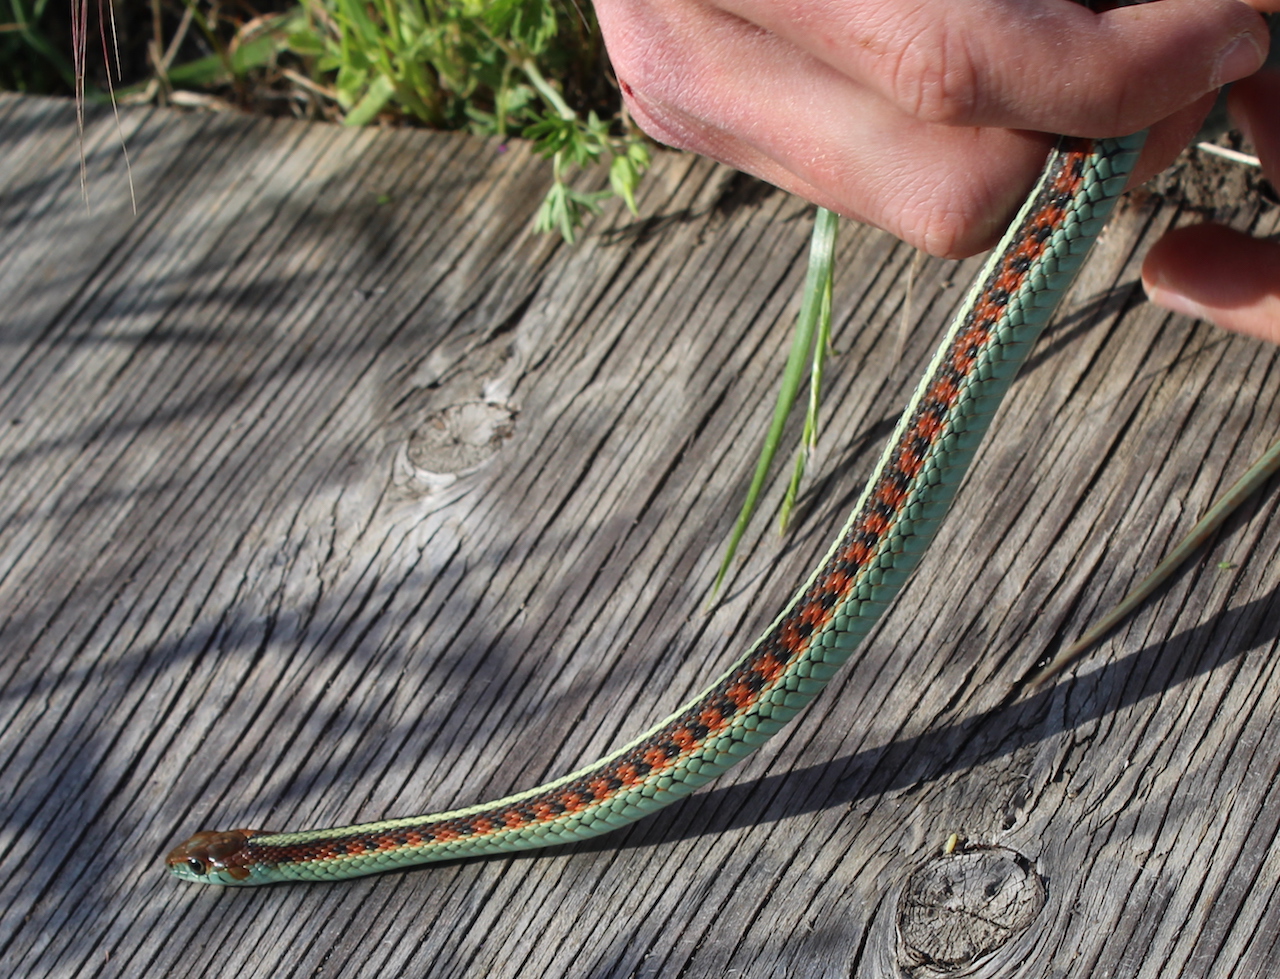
[(1243, 488), (374, 100), (809, 437), (817, 287)]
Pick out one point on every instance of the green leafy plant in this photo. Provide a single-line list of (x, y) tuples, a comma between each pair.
[(254, 46), (481, 65), (505, 68)]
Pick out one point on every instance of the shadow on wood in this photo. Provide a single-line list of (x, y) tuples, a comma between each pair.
[(331, 492)]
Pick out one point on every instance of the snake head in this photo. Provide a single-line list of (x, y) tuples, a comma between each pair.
[(214, 857)]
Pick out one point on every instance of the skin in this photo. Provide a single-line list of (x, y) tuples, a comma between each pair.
[(1216, 273), (928, 118)]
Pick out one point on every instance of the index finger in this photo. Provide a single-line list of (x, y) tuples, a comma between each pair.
[(1045, 65)]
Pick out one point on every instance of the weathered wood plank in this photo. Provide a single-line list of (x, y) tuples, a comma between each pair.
[(330, 492)]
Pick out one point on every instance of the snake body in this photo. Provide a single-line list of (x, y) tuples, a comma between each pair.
[(906, 497)]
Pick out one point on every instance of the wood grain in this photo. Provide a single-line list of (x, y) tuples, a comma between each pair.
[(330, 492)]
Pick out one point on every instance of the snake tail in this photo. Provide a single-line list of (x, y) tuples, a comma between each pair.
[(906, 497)]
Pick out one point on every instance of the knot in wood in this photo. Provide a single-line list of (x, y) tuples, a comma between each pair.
[(960, 907), (458, 439)]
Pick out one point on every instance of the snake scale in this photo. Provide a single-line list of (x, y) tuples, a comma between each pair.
[(906, 497)]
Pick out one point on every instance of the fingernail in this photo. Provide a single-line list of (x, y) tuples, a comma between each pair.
[(1239, 58), (1173, 301)]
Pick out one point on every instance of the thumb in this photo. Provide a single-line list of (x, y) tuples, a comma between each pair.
[(1214, 273)]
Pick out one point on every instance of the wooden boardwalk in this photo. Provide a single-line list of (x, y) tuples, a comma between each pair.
[(330, 492)]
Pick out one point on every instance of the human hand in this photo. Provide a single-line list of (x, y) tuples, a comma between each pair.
[(1215, 273), (925, 119)]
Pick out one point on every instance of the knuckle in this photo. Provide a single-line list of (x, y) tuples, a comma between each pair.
[(667, 129), (932, 75), (651, 103), (950, 218), (647, 96), (945, 234)]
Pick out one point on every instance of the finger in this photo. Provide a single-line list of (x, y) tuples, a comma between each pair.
[(1169, 137), (749, 99), (919, 184), (1253, 104), (1217, 274), (1048, 65)]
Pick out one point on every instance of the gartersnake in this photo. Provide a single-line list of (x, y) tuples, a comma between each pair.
[(906, 497)]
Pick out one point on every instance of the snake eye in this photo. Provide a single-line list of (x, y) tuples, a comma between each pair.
[(197, 866)]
